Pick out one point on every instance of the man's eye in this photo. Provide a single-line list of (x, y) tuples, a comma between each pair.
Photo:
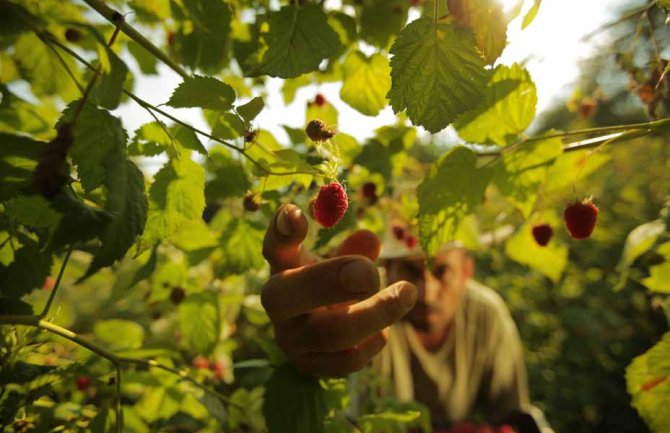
[(439, 271)]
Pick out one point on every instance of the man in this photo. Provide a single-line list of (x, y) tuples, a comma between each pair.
[(458, 351)]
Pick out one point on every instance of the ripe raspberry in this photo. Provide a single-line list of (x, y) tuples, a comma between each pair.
[(320, 100), (72, 35), (170, 39), (317, 130), (542, 234), (177, 295), (217, 368), (465, 427), (251, 202), (200, 362), (370, 190), (398, 232), (580, 218), (330, 204), (411, 242), (646, 93), (83, 382), (505, 429)]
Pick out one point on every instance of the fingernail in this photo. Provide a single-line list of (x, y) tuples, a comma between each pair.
[(358, 276), (407, 294), (284, 226)]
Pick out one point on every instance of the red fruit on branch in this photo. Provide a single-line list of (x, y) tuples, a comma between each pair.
[(320, 100), (542, 234), (217, 369), (331, 204), (411, 242), (200, 362), (369, 190), (83, 382), (580, 218), (505, 429)]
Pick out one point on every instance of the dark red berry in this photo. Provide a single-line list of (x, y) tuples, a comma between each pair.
[(505, 429), (83, 382), (72, 35), (170, 39), (369, 190), (320, 100), (580, 218), (542, 234), (217, 368), (177, 295), (200, 362), (331, 204), (398, 232), (251, 202), (411, 242), (317, 130)]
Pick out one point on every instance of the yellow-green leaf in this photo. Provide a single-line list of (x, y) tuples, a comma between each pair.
[(366, 82)]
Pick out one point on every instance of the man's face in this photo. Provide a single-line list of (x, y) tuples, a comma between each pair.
[(440, 291)]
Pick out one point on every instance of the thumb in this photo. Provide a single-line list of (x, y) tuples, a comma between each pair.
[(282, 245)]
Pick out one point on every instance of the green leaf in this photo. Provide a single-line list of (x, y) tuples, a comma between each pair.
[(327, 112), (118, 334), (437, 73), (294, 403), (639, 241), (80, 222), (151, 139), (127, 202), (145, 60), (200, 322), (14, 306), (32, 210), (523, 170), (203, 92), (298, 40), (648, 383), (376, 158), (229, 126), (487, 20), (549, 260), (227, 177), (532, 13), (188, 139), (507, 109), (176, 196), (18, 159), (659, 280), (382, 20), (44, 70), (366, 81), (202, 41), (389, 422), (453, 188), (250, 110), (99, 138), (109, 87), (26, 273), (573, 167), (241, 242)]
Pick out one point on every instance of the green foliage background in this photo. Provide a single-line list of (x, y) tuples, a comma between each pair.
[(155, 279)]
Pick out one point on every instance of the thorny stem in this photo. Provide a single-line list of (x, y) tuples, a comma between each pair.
[(45, 311), (116, 360)]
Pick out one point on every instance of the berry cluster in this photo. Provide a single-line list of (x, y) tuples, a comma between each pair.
[(580, 219), (215, 367), (401, 234)]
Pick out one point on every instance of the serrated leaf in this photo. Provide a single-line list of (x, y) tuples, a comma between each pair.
[(366, 82), (376, 158), (507, 109), (200, 322), (523, 170), (202, 41), (99, 138), (18, 159), (648, 383), (44, 70), (639, 241), (229, 126), (127, 202), (203, 92), (298, 40), (176, 196), (487, 20), (14, 306), (26, 273), (32, 210), (573, 167), (80, 222), (437, 73), (151, 139), (382, 20), (109, 88), (453, 188), (326, 112), (659, 280), (532, 13), (118, 334), (241, 242), (251, 109), (144, 59), (549, 260), (294, 403), (228, 177)]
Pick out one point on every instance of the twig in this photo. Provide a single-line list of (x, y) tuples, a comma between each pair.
[(623, 18), (45, 311)]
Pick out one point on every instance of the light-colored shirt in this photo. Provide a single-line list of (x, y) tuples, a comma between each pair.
[(480, 365)]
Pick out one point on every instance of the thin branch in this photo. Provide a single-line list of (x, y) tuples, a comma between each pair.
[(632, 14), (45, 311), (119, 413), (113, 16)]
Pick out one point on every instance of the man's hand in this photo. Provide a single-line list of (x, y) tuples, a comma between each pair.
[(329, 316)]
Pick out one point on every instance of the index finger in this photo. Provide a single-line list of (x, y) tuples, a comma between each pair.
[(282, 245)]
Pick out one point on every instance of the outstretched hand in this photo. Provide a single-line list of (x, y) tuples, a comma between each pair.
[(329, 315)]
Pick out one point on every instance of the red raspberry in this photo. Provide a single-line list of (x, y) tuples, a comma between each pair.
[(330, 204), (646, 93), (369, 190), (580, 218), (465, 427), (200, 362), (505, 429), (83, 382), (217, 368), (398, 232), (542, 234), (411, 242), (320, 100)]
